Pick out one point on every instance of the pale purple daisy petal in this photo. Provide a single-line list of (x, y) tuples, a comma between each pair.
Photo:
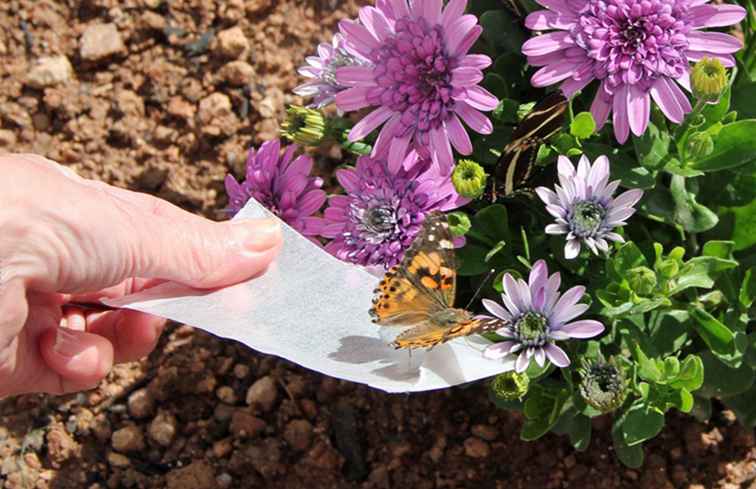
[(495, 309), (586, 328), (557, 356), (498, 350)]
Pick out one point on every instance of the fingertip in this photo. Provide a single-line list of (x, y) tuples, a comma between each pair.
[(80, 358)]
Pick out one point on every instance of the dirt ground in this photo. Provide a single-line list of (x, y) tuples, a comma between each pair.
[(165, 97)]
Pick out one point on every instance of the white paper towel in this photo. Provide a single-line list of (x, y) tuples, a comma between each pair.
[(312, 309)]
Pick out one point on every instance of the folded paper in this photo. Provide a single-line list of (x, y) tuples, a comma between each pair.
[(312, 309)]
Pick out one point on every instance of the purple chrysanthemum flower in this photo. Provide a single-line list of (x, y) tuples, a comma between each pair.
[(281, 183), (538, 316), (584, 207), (638, 49), (383, 209), (421, 81), (323, 86)]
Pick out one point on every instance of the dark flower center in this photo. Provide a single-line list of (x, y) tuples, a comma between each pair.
[(376, 223), (586, 218), (602, 385), (413, 72), (531, 329)]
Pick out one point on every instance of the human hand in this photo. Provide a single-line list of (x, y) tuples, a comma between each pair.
[(66, 239)]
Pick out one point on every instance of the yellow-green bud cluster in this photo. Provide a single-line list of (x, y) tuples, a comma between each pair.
[(469, 179), (708, 79), (304, 126), (510, 386)]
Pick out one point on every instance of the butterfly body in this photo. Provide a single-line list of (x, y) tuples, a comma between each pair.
[(419, 293)]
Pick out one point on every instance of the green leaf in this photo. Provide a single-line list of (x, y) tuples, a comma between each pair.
[(700, 272), (691, 375), (722, 381), (543, 408), (579, 431), (734, 146), (623, 167), (744, 233), (647, 368), (502, 30), (642, 422), (497, 85), (583, 126), (683, 400), (716, 112), (716, 335), (748, 289), (493, 222), (693, 216), (629, 256), (631, 457), (506, 111), (495, 250), (472, 260), (652, 147)]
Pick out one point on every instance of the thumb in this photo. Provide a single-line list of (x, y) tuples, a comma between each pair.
[(81, 359)]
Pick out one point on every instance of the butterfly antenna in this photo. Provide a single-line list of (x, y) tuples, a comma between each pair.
[(480, 287)]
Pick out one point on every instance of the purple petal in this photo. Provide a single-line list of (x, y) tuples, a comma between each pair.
[(348, 179), (495, 308), (458, 29), (568, 299), (353, 99), (639, 109), (538, 275), (352, 76), (556, 355), (542, 20), (553, 73), (498, 350), (512, 289), (715, 15), (375, 22), (441, 151), (540, 357), (587, 328), (727, 60), (627, 199), (600, 109), (466, 76), (359, 37), (458, 135), (312, 202), (522, 362), (620, 119), (369, 123), (661, 92), (397, 153), (556, 229), (480, 98), (474, 119), (713, 42), (479, 61), (547, 195), (569, 313), (573, 85), (466, 43), (547, 43), (453, 10)]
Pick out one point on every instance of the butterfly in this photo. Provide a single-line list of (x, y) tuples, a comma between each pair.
[(419, 292), (514, 168)]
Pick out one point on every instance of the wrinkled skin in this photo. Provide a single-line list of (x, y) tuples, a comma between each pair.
[(64, 238)]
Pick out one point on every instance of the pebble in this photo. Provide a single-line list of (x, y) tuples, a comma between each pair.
[(485, 431), (128, 439), (118, 460), (226, 394), (237, 73), (263, 393), (241, 371), (60, 445), (162, 429), (224, 480), (178, 107), (7, 138), (141, 404), (214, 106), (100, 41), (244, 424), (231, 43), (223, 447), (476, 448), (49, 71), (298, 434)]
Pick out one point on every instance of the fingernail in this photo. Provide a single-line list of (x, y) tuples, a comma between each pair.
[(66, 343), (257, 234)]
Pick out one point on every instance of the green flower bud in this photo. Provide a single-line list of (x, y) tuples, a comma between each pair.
[(668, 268), (700, 145), (642, 280), (304, 126), (469, 179), (708, 79), (602, 385), (510, 386)]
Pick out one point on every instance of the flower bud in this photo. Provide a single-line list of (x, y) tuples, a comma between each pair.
[(469, 179), (668, 268), (708, 79), (700, 145), (304, 126), (510, 386), (642, 280), (602, 385)]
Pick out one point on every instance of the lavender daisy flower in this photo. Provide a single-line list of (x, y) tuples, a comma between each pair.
[(584, 207), (421, 83), (323, 86), (383, 209), (638, 49), (538, 316), (281, 183)]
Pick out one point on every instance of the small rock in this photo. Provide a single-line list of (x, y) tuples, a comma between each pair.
[(476, 448), (237, 73), (226, 394), (223, 447), (214, 106), (7, 138), (128, 439), (263, 393), (569, 461), (163, 428), (485, 431), (41, 121), (241, 371), (49, 71), (197, 475), (178, 107), (118, 460), (244, 425), (224, 480), (129, 103), (298, 434), (231, 43), (60, 445), (153, 20), (100, 41), (141, 404)]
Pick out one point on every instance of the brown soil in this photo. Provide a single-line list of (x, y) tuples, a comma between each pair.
[(168, 109)]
